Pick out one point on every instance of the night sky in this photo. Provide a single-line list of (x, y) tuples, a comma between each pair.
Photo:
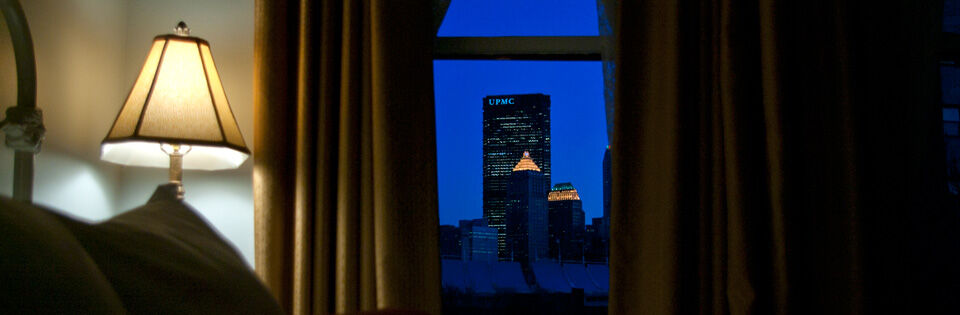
[(578, 130)]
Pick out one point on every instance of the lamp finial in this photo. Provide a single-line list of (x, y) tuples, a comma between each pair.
[(182, 29)]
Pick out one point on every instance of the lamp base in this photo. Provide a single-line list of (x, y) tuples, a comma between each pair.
[(179, 188), (168, 191), (176, 166)]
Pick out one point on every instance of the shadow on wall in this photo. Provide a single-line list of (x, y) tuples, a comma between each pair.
[(71, 186)]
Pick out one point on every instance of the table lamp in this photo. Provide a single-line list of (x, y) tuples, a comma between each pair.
[(177, 113)]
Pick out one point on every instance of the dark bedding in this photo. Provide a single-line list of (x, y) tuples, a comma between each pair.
[(160, 258)]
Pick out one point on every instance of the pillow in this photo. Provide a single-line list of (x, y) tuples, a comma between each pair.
[(43, 269), (163, 258)]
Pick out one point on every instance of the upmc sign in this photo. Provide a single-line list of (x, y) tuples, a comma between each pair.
[(500, 101)]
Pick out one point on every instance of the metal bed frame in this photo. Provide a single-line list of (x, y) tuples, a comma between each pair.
[(23, 124)]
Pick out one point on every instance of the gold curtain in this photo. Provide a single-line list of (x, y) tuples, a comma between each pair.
[(779, 157), (344, 149)]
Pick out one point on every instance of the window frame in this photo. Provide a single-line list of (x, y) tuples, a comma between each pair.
[(542, 48)]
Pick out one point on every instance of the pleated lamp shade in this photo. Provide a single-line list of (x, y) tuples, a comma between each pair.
[(178, 99)]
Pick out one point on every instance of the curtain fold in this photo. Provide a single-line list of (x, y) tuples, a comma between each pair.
[(779, 157), (345, 186)]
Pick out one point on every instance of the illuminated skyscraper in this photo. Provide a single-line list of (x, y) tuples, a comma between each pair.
[(512, 124), (526, 213), (566, 223)]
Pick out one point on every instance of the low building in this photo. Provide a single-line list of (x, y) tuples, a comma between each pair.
[(450, 242), (477, 240)]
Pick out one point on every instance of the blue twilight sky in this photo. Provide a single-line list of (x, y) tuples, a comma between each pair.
[(520, 18), (578, 130)]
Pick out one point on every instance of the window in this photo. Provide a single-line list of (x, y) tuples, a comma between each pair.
[(523, 167), (950, 94), (950, 91), (951, 16)]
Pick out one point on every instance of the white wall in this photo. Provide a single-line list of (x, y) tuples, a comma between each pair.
[(88, 55), (77, 45)]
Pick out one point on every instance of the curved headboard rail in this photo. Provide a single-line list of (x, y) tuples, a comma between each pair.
[(23, 123), (23, 52)]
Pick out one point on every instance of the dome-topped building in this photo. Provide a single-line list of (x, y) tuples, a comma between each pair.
[(526, 212), (563, 191), (566, 223)]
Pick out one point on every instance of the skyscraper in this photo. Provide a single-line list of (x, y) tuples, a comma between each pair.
[(477, 241), (566, 225), (512, 124), (526, 213)]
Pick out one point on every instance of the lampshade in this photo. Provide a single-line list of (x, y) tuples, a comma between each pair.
[(177, 99)]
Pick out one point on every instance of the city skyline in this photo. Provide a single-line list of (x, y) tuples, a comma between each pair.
[(578, 134), (578, 127), (539, 225)]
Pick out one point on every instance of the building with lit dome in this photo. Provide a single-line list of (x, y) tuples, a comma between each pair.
[(566, 223), (526, 213)]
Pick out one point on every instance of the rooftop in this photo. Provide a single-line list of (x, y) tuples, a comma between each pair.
[(563, 191), (526, 163)]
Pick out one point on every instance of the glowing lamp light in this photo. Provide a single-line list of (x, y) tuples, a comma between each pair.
[(177, 113)]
